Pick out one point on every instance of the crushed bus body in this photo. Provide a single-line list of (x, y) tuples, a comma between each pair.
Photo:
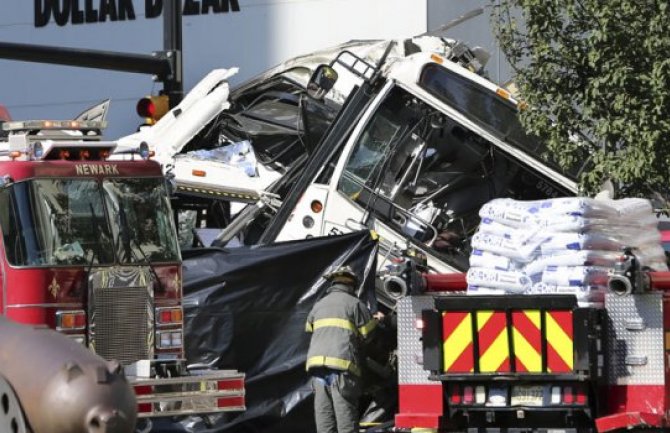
[(224, 146)]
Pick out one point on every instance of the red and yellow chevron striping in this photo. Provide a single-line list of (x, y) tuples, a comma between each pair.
[(527, 339), (493, 343), (559, 341), (458, 348)]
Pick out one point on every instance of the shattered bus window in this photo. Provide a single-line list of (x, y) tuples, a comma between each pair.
[(426, 175), (493, 113)]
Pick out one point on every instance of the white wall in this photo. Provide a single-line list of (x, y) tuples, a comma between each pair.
[(262, 34)]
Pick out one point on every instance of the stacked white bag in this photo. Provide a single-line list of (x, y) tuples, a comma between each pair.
[(564, 245)]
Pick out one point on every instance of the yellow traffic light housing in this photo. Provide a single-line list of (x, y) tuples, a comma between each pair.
[(152, 108)]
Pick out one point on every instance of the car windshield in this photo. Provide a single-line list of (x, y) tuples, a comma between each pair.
[(70, 222)]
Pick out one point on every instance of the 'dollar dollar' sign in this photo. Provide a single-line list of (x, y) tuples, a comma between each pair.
[(66, 12)]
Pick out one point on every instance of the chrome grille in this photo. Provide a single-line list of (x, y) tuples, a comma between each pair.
[(121, 314)]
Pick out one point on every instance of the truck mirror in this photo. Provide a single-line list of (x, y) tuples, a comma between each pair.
[(323, 79), (5, 180), (170, 182)]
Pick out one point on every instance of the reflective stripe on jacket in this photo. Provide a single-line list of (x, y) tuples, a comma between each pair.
[(340, 323)]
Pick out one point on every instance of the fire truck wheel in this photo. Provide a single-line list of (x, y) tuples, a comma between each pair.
[(11, 415)]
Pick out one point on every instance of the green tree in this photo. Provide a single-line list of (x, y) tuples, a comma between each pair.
[(600, 69)]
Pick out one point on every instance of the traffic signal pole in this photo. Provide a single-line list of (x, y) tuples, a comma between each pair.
[(172, 46), (157, 64), (165, 66)]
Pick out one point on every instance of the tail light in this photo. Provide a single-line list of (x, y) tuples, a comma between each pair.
[(316, 206), (70, 320), (169, 316), (468, 395), (168, 339), (230, 385), (571, 394), (568, 397), (580, 394), (456, 394), (471, 394)]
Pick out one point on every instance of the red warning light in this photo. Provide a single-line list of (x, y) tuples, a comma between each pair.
[(152, 108), (146, 107)]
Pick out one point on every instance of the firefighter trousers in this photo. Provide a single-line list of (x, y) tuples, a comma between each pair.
[(336, 397)]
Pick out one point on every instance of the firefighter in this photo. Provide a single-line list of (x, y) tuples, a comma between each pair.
[(340, 323)]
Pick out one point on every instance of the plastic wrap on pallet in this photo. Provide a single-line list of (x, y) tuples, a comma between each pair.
[(565, 245), (633, 207), (512, 247), (583, 293), (515, 213), (483, 290), (512, 281), (486, 259), (575, 276), (567, 223), (614, 239), (574, 258)]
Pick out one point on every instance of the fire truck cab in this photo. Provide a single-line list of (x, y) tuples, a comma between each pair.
[(89, 248)]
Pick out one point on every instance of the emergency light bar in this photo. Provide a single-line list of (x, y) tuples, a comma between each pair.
[(59, 125), (57, 139), (21, 148), (49, 149)]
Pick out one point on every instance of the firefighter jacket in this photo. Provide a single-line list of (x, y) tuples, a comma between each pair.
[(340, 324)]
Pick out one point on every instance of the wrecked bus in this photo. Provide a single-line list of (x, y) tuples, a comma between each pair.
[(224, 147), (413, 155)]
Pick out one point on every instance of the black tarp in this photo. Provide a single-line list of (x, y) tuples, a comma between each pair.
[(247, 308)]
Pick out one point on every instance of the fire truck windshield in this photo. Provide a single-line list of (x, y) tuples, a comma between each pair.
[(141, 220), (73, 222)]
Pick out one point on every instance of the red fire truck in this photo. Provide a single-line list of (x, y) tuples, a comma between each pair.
[(89, 248), (519, 363)]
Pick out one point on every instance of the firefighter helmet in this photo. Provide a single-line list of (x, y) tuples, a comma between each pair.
[(343, 274)]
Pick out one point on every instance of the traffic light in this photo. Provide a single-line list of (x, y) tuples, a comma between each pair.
[(152, 108)]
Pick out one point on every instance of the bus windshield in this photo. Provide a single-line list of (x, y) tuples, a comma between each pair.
[(486, 109), (74, 222)]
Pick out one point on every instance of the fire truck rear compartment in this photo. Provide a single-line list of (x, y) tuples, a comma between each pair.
[(531, 362)]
